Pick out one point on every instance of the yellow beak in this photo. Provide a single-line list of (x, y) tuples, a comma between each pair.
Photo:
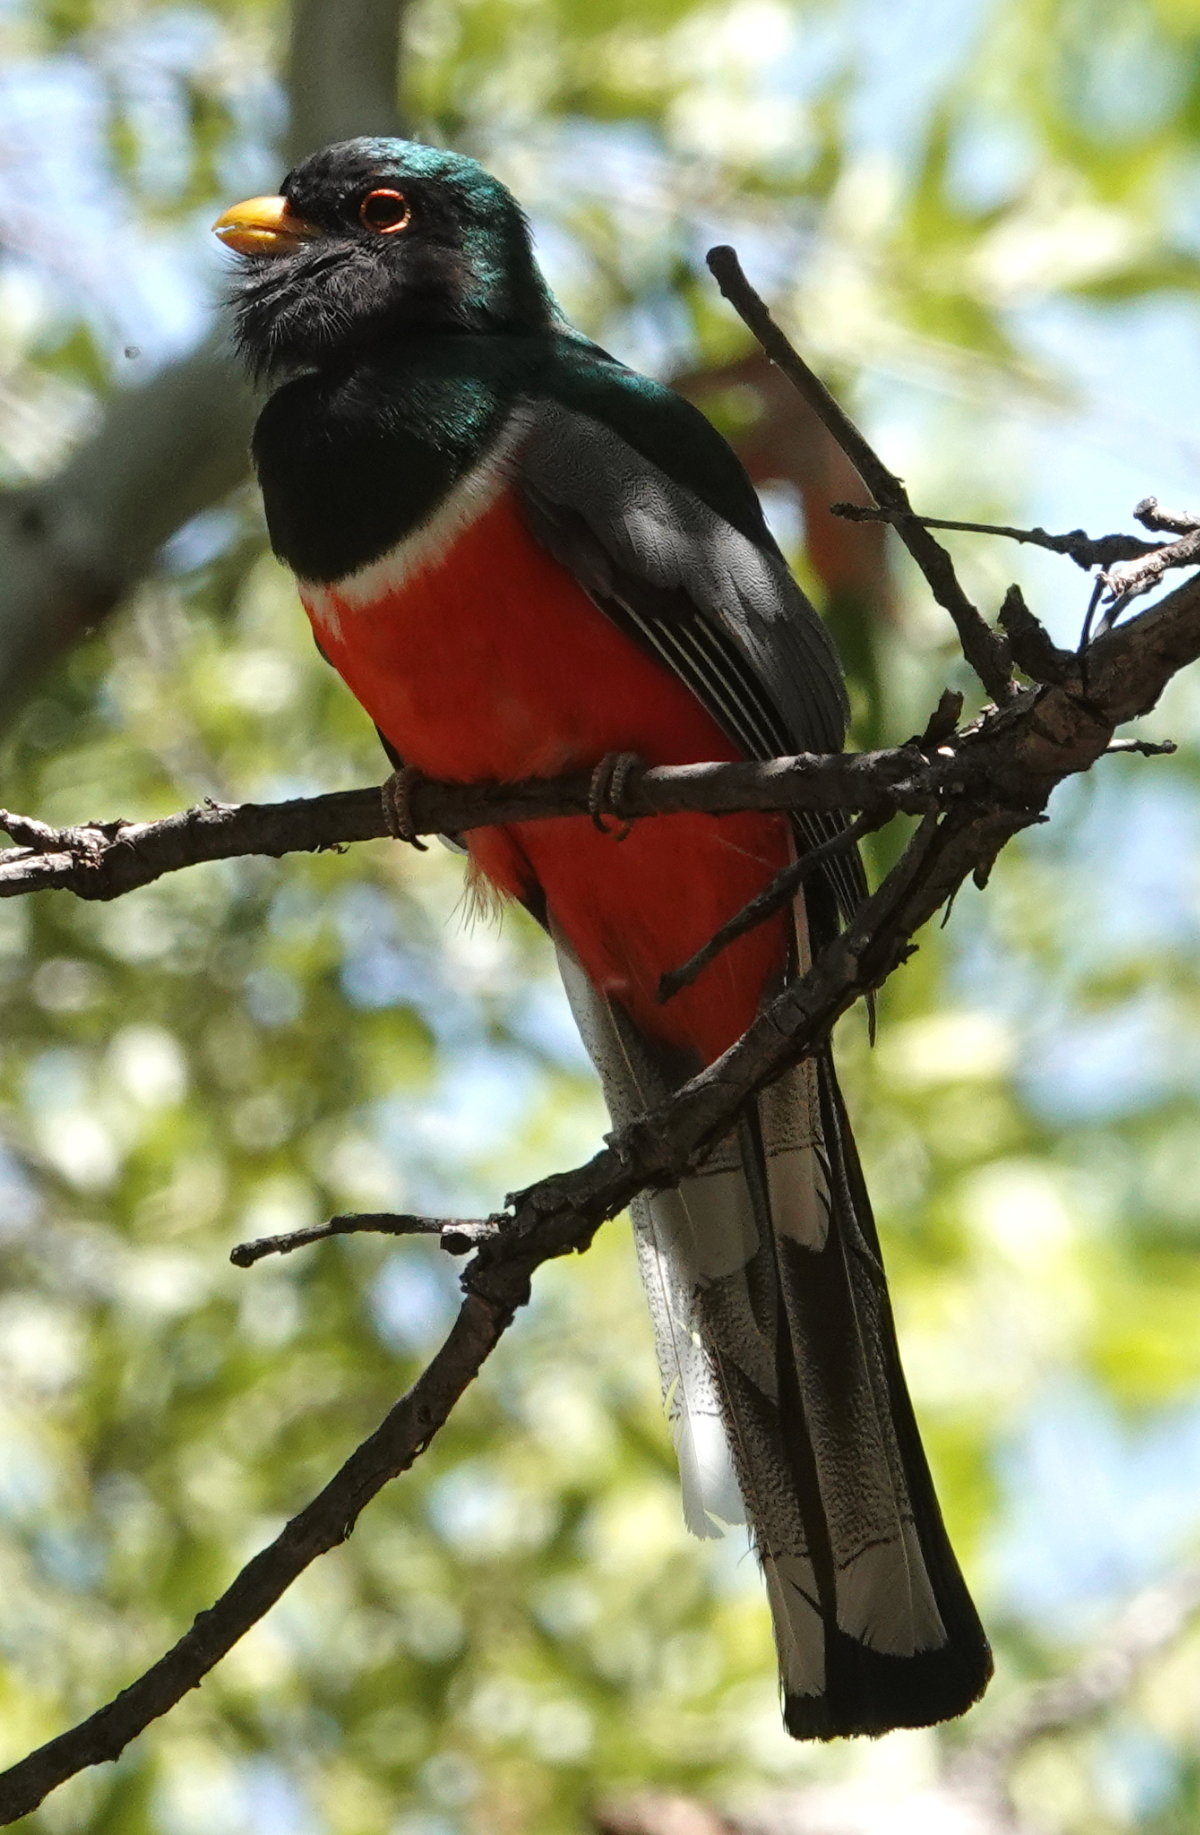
[(263, 226)]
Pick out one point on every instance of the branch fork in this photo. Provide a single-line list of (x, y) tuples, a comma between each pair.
[(1126, 566)]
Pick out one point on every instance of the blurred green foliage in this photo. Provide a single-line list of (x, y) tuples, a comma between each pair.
[(520, 1626)]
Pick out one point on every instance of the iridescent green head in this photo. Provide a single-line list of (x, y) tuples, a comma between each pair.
[(371, 239)]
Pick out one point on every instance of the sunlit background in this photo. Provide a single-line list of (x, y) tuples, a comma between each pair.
[(983, 224)]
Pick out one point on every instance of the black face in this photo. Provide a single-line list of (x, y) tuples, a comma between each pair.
[(373, 239)]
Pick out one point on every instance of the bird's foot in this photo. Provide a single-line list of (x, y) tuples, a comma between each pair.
[(396, 795), (606, 790)]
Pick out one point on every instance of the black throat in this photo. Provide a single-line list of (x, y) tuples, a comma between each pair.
[(353, 457)]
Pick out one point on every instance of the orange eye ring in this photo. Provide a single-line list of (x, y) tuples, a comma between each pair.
[(385, 212)]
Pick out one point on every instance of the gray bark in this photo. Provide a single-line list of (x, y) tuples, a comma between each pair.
[(343, 71), (73, 546)]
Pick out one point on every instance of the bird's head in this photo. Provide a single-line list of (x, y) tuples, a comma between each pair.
[(371, 239)]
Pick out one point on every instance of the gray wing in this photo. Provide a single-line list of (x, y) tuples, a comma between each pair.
[(720, 610)]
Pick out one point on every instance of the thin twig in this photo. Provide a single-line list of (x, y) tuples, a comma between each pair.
[(1129, 579), (1150, 513), (984, 650), (1087, 551), (1033, 648), (1129, 566), (781, 891), (942, 722), (1085, 635), (1145, 748), (458, 1234)]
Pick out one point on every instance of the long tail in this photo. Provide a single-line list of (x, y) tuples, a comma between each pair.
[(788, 1405)]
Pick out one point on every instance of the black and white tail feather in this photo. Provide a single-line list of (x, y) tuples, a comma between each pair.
[(788, 1407)]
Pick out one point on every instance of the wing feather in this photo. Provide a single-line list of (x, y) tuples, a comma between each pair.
[(722, 611)]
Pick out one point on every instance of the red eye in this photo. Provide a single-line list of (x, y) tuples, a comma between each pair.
[(385, 211)]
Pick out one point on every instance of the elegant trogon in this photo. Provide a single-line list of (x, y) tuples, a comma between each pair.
[(523, 557)]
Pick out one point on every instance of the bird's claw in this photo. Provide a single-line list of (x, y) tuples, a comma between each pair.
[(606, 790), (396, 795)]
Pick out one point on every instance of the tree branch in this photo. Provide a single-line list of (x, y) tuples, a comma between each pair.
[(773, 897), (73, 546), (457, 1235), (557, 1216), (1129, 579), (1087, 551), (994, 762), (1128, 565), (983, 649), (1043, 736), (105, 859), (343, 72), (322, 1525), (973, 791)]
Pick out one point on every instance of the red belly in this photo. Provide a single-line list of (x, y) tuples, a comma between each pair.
[(491, 662)]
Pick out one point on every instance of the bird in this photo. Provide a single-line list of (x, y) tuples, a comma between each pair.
[(525, 558)]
